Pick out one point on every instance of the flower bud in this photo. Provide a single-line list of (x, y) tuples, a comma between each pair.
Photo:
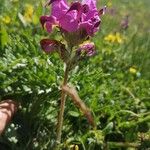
[(49, 46), (87, 49)]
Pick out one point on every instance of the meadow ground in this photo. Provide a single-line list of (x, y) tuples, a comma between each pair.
[(115, 83)]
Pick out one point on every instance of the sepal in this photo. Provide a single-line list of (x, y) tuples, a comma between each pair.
[(49, 46)]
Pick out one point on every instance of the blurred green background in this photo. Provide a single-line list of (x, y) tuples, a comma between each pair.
[(115, 83)]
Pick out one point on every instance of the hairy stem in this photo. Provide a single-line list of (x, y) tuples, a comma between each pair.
[(62, 107), (71, 91)]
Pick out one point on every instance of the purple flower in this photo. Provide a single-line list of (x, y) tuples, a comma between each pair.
[(79, 16), (48, 45), (87, 49)]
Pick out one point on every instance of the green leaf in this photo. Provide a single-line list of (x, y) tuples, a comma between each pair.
[(4, 39), (74, 113)]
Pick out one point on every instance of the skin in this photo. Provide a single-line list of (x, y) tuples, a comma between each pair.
[(7, 110)]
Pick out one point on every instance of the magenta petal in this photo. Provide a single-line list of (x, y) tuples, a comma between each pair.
[(87, 26), (69, 22), (48, 22), (79, 16), (90, 3), (75, 6), (59, 8), (43, 19), (96, 25), (48, 26), (85, 8), (87, 49), (48, 45)]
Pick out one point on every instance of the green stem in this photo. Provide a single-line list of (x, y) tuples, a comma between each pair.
[(121, 144), (62, 107)]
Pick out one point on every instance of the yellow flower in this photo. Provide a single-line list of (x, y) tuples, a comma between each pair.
[(110, 38), (114, 38), (119, 39), (132, 70), (6, 19), (28, 13)]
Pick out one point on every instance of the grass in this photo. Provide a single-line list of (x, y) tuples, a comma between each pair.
[(118, 96)]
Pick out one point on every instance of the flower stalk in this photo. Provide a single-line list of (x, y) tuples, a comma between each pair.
[(62, 107), (77, 22)]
